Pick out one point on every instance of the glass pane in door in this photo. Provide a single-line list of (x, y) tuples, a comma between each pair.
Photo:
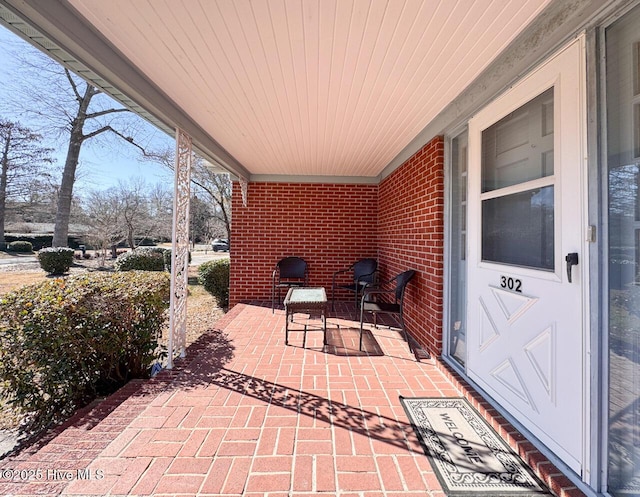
[(623, 166), (519, 147), (517, 216), (458, 250), (517, 229)]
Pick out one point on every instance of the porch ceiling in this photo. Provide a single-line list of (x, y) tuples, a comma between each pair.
[(306, 87)]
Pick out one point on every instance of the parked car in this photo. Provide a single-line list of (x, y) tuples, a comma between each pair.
[(220, 245)]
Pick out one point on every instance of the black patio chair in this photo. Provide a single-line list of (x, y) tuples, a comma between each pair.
[(373, 303), (363, 273), (290, 271)]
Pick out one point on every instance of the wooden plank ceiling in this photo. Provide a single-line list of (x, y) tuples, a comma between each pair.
[(311, 87)]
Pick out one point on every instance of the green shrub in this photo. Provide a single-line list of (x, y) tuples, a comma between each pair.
[(56, 260), (20, 246), (64, 341), (214, 276), (141, 259), (40, 240)]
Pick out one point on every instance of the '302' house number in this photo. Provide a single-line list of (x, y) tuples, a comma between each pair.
[(513, 284)]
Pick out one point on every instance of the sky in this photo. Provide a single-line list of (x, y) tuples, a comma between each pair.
[(102, 165)]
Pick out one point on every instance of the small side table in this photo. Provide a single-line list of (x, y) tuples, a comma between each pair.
[(304, 299)]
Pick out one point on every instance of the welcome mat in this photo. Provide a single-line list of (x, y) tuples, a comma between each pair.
[(467, 455)]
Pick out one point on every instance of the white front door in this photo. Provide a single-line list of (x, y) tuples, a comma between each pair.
[(526, 319)]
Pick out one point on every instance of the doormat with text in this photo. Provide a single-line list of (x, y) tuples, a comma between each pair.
[(467, 455)]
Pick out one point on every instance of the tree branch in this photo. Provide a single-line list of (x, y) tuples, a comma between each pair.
[(74, 87), (104, 112), (125, 138)]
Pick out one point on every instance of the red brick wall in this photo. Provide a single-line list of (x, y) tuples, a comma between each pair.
[(329, 225), (399, 221), (411, 236)]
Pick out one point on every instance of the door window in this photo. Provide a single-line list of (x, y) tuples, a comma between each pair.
[(519, 147), (518, 220), (517, 229)]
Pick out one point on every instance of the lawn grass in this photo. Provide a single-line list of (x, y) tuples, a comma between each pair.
[(12, 280)]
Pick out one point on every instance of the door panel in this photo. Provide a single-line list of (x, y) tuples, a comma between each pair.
[(526, 316)]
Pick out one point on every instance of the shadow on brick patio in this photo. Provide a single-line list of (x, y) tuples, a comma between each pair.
[(243, 414)]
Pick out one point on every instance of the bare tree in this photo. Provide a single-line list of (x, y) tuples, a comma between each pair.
[(38, 200), (200, 220), (67, 107), (214, 186), (218, 187), (103, 217), (130, 212), (139, 222), (22, 158), (161, 211)]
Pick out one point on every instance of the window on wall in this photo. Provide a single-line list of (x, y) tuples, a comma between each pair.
[(458, 252), (623, 168)]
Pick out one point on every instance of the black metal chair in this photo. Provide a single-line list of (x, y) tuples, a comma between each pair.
[(371, 302), (290, 271), (364, 273)]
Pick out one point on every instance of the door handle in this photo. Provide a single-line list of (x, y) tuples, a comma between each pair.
[(572, 260)]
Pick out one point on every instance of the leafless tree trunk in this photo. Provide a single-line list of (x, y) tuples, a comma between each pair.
[(21, 159), (76, 138), (218, 186), (3, 186)]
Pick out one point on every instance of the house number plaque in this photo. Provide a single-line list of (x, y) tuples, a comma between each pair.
[(512, 284)]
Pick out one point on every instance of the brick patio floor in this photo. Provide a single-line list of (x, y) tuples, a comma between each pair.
[(243, 414)]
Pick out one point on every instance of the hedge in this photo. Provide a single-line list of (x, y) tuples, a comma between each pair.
[(142, 259), (65, 341), (22, 246), (214, 276), (56, 260), (40, 241)]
